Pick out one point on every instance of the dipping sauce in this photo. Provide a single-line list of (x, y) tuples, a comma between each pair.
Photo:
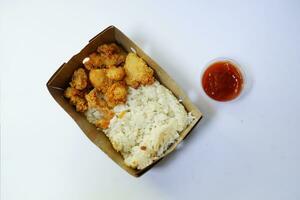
[(222, 81)]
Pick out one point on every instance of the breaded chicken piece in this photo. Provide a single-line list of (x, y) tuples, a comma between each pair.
[(94, 61), (70, 92), (76, 99), (137, 71), (111, 54), (111, 48), (115, 73), (80, 103), (99, 79), (108, 55), (79, 79), (94, 100), (116, 94), (113, 60)]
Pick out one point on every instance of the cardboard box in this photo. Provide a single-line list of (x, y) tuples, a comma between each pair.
[(61, 78)]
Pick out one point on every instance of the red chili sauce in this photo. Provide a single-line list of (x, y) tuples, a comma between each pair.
[(222, 81)]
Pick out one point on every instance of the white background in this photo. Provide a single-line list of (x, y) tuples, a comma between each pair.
[(247, 149)]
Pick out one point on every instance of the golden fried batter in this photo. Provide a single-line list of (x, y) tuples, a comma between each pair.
[(70, 92), (109, 49), (79, 79), (93, 61), (137, 71), (116, 94), (94, 101), (113, 60), (99, 80), (109, 80), (115, 73), (80, 103), (76, 99), (111, 54), (108, 55)]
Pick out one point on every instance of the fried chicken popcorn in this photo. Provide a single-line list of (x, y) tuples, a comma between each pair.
[(115, 73), (109, 49), (76, 99), (137, 71), (94, 101), (112, 54), (105, 85), (99, 79), (108, 55), (116, 94), (94, 61), (79, 79), (78, 83), (107, 82)]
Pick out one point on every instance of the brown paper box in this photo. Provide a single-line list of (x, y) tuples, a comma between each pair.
[(61, 78)]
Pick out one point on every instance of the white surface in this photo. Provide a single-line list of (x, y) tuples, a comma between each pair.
[(248, 149)]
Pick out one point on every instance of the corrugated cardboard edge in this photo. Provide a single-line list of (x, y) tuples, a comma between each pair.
[(117, 34)]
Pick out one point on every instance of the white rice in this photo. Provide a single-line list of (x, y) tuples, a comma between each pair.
[(152, 121)]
